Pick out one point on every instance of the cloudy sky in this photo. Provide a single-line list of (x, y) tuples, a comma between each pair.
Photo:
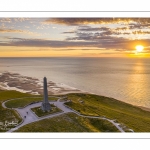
[(74, 37)]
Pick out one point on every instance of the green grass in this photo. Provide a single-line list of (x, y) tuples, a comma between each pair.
[(39, 112), (69, 122), (22, 102), (5, 95), (126, 114), (52, 98), (9, 114)]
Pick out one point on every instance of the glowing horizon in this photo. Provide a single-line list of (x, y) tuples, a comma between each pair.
[(74, 37)]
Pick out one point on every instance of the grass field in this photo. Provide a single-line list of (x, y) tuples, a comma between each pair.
[(39, 112), (69, 122), (22, 102), (87, 104), (9, 114), (126, 114), (5, 95)]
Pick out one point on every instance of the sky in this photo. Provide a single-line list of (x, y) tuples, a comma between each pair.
[(74, 37)]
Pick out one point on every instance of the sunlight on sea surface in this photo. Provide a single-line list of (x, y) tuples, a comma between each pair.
[(126, 79)]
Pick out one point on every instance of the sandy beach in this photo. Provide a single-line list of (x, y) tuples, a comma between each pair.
[(15, 81)]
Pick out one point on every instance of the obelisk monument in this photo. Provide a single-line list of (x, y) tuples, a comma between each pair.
[(45, 104)]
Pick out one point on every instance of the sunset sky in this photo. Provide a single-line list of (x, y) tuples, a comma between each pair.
[(74, 37)]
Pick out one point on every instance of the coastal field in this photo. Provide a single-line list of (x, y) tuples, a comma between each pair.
[(22, 102), (69, 122), (129, 116), (9, 114)]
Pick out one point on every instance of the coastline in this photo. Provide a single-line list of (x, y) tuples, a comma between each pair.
[(25, 84), (34, 86)]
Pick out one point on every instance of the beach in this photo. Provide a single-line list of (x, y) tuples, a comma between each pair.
[(24, 84)]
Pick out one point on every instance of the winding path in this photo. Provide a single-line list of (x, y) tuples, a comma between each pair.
[(31, 117)]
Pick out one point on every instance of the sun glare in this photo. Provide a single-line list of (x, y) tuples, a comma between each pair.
[(139, 48)]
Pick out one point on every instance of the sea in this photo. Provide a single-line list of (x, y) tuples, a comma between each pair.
[(125, 79)]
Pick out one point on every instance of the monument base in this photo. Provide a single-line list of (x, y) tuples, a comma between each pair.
[(46, 107)]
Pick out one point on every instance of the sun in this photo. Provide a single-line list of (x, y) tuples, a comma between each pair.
[(139, 48)]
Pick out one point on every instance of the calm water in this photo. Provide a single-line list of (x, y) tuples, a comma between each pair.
[(124, 79)]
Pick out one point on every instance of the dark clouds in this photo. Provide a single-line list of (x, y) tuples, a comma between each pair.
[(100, 31), (106, 42), (85, 21), (80, 21), (68, 32), (141, 32), (88, 28), (45, 43)]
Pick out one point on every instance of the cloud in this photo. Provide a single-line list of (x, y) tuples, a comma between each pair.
[(122, 28), (68, 32), (5, 20), (11, 30), (45, 43), (97, 31), (106, 43), (141, 32), (86, 21), (4, 30), (22, 19)]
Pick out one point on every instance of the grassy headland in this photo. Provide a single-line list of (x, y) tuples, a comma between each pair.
[(69, 122), (126, 114), (87, 104)]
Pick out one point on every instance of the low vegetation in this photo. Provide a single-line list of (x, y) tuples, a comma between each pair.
[(130, 116), (69, 122), (22, 102), (6, 95), (9, 115), (40, 113), (87, 104)]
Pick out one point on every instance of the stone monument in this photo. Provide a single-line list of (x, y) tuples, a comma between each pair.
[(45, 104)]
